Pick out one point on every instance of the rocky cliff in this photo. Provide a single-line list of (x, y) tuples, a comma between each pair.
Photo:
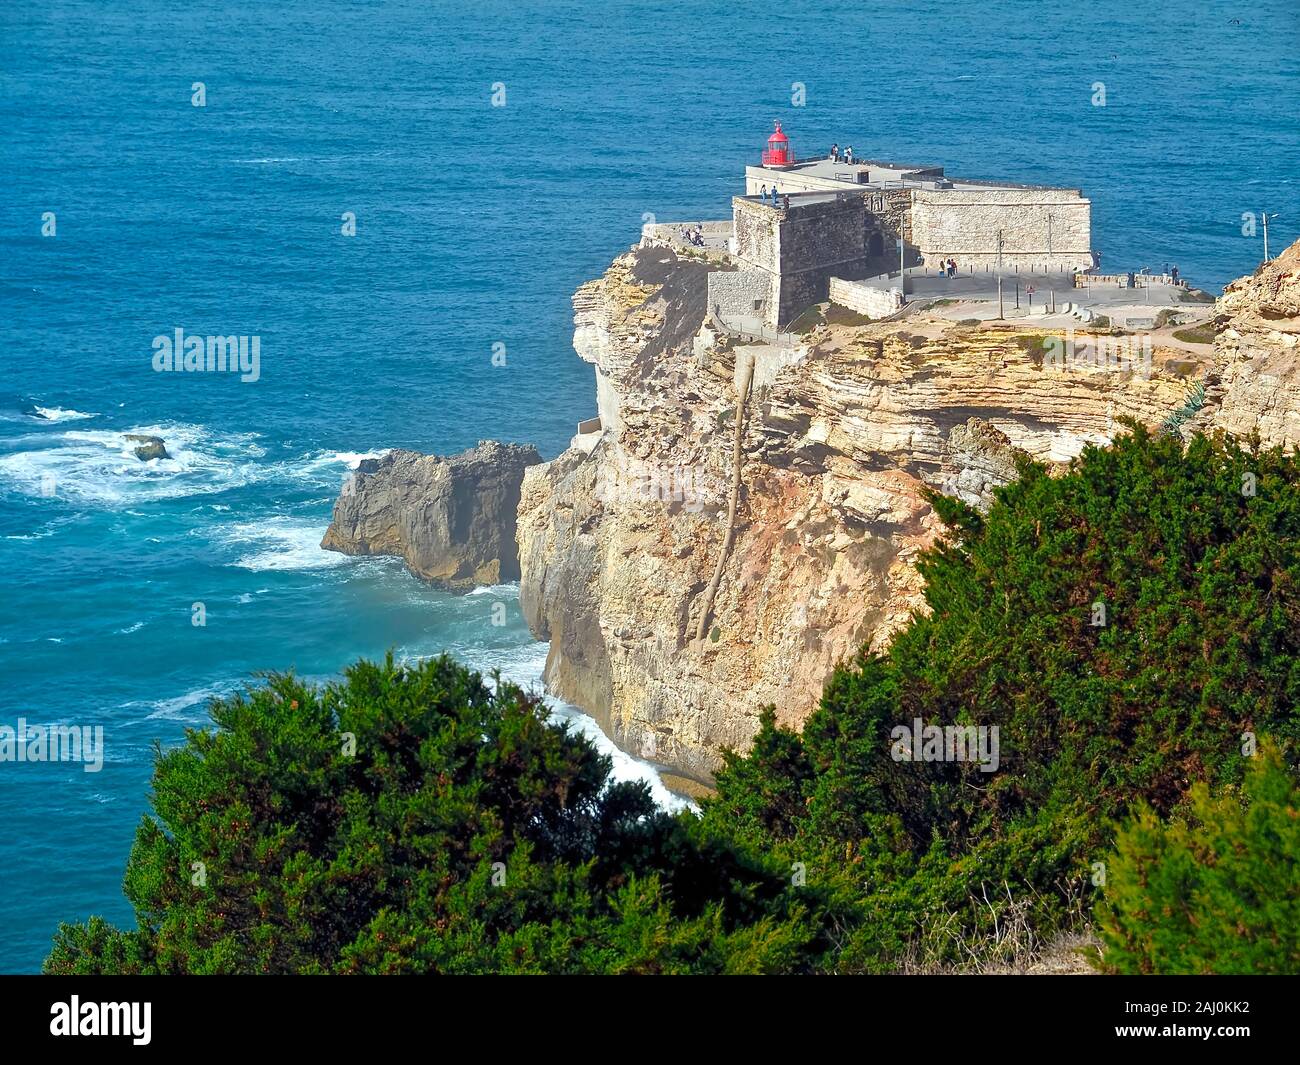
[(840, 430), (1256, 383), (451, 519)]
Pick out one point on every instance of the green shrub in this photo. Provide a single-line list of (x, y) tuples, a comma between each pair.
[(1197, 334), (1214, 891), (414, 820)]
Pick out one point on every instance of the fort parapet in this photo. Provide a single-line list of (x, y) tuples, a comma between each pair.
[(799, 248)]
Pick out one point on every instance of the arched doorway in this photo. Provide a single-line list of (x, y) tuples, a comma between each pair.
[(875, 244)]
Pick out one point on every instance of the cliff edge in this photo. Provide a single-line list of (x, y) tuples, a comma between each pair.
[(815, 516)]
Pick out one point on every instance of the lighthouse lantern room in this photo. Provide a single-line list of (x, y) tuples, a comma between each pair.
[(778, 151)]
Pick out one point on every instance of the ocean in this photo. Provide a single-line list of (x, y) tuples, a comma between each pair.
[(473, 225)]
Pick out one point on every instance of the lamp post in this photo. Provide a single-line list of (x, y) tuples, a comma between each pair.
[(1049, 241), (1267, 218), (902, 270)]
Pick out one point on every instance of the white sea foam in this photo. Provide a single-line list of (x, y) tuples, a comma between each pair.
[(328, 461), (497, 591), (61, 414), (353, 459), (177, 707), (281, 543), (130, 629), (101, 467)]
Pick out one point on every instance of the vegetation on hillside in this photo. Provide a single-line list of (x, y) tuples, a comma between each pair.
[(1130, 628)]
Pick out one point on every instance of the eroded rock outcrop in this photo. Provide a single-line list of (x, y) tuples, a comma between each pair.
[(451, 519), (841, 431), (1257, 353), (147, 448)]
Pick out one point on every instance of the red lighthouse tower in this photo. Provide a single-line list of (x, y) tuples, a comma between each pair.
[(778, 151)]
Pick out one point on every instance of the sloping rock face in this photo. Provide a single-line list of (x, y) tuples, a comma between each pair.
[(841, 432), (1258, 355), (451, 519)]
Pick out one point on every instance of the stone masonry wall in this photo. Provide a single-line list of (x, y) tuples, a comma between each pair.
[(756, 234), (865, 299), (740, 294), (889, 214), (818, 241), (965, 223)]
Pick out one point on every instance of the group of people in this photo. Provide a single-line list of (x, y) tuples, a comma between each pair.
[(1145, 272), (778, 199), (694, 236), (947, 267), (847, 154)]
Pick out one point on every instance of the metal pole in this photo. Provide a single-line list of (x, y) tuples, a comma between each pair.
[(902, 270), (1265, 214), (1000, 314)]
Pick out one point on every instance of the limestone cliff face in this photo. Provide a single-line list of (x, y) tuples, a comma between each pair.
[(1258, 354), (451, 519), (841, 430)]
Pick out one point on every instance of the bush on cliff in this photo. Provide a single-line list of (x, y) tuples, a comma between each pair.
[(414, 820), (1121, 625), (1213, 891)]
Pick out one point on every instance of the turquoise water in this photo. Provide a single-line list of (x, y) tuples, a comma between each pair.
[(474, 224)]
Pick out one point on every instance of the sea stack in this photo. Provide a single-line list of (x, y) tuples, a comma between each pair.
[(452, 520), (147, 447)]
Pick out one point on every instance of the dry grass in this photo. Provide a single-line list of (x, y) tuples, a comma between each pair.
[(1008, 944)]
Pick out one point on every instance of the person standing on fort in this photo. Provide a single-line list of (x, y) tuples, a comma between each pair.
[(835, 153), (1173, 273), (762, 193), (848, 155)]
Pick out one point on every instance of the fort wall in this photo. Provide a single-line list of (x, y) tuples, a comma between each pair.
[(1032, 226), (865, 299)]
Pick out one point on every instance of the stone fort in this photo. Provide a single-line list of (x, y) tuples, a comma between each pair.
[(835, 219)]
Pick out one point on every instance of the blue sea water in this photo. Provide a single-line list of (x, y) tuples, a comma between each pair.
[(474, 223)]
